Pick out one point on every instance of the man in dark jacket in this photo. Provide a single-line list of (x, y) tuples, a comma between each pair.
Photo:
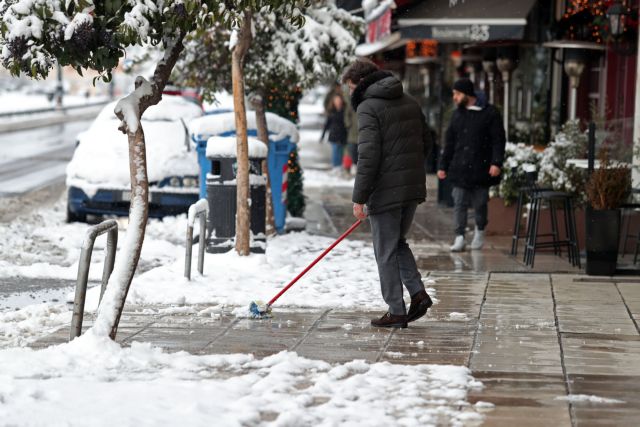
[(390, 181), (471, 158)]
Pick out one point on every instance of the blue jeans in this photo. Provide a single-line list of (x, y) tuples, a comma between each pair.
[(336, 154)]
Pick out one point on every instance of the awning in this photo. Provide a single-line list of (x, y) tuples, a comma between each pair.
[(390, 42), (465, 20)]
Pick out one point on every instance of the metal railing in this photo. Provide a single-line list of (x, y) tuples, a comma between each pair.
[(109, 226), (200, 210)]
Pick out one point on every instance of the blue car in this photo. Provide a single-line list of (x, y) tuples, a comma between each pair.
[(98, 180)]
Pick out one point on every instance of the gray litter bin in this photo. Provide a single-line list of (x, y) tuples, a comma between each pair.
[(221, 194)]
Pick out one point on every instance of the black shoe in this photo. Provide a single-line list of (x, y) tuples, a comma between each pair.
[(390, 321), (420, 303)]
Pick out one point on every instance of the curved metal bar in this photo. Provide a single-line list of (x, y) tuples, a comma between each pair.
[(199, 210), (111, 227)]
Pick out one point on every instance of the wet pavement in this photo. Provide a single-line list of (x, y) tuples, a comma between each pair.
[(533, 337)]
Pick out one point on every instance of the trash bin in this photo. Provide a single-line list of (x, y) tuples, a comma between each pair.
[(283, 135), (278, 161), (221, 194)]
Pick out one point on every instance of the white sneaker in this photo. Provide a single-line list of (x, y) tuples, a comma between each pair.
[(478, 240), (458, 244)]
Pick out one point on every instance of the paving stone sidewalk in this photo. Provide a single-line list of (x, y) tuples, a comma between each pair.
[(533, 337)]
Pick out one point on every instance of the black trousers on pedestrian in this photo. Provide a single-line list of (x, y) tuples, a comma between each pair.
[(396, 264)]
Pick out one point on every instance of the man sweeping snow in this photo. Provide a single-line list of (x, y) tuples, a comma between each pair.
[(393, 140)]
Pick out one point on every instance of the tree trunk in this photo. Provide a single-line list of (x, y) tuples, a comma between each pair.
[(130, 110), (243, 214), (263, 135)]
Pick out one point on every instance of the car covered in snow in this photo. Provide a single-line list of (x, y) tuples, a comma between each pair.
[(98, 180)]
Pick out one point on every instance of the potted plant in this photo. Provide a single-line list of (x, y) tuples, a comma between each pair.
[(608, 188)]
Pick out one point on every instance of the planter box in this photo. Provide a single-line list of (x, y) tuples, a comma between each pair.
[(501, 218), (603, 233)]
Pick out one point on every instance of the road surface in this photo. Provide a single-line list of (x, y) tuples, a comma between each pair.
[(33, 159), (32, 173)]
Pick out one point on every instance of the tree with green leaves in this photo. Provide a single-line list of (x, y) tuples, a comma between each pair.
[(87, 34), (280, 56)]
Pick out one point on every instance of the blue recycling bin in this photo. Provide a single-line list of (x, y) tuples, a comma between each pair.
[(282, 137), (278, 163)]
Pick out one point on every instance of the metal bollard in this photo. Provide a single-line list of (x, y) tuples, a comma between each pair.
[(109, 226), (199, 210)]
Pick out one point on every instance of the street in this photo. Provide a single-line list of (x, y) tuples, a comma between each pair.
[(32, 172), (37, 158)]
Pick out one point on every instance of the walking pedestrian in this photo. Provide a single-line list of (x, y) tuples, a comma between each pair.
[(472, 159), (390, 182), (351, 122), (337, 132)]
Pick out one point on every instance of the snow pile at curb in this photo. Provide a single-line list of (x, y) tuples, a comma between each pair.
[(93, 381), (43, 245), (19, 328)]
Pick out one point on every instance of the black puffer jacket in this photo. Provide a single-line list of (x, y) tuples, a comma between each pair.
[(336, 127), (392, 143), (474, 141)]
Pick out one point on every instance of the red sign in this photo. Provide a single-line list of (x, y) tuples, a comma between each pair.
[(421, 48), (380, 27)]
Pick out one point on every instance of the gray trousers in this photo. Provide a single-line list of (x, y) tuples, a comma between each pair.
[(463, 198), (396, 265)]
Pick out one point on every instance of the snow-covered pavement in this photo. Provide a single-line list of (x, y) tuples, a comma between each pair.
[(94, 382), (71, 383)]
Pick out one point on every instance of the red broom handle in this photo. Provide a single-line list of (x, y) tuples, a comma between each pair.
[(322, 255)]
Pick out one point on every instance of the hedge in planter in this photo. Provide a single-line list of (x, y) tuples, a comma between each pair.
[(607, 189)]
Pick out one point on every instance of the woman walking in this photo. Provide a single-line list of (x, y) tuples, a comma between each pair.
[(337, 131)]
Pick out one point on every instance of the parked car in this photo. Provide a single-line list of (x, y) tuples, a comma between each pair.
[(98, 179)]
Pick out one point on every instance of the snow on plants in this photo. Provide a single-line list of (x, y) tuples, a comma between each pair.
[(518, 158), (555, 171), (71, 383)]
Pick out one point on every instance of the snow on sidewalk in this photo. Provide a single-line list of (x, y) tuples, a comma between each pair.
[(92, 381), (346, 278)]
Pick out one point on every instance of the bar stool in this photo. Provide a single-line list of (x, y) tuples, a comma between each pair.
[(627, 210), (526, 192), (552, 198)]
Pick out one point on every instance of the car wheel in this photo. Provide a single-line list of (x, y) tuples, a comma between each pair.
[(74, 217)]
